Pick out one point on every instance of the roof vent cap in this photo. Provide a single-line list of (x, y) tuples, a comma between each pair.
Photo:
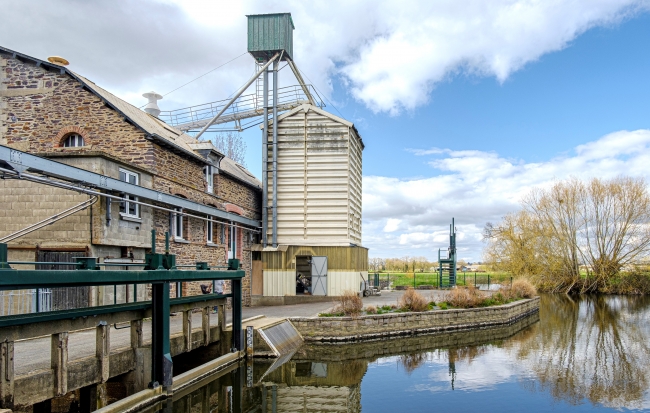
[(58, 60), (152, 107)]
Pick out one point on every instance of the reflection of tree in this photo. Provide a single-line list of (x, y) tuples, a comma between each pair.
[(590, 347), (412, 361)]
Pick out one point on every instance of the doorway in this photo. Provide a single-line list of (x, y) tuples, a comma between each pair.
[(303, 275)]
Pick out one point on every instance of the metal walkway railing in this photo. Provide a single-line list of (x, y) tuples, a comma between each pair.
[(246, 106)]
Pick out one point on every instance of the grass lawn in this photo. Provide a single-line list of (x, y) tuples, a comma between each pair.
[(428, 278)]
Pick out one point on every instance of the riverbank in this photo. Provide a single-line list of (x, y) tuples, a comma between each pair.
[(378, 326)]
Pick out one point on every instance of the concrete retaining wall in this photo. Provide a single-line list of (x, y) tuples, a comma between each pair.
[(396, 324)]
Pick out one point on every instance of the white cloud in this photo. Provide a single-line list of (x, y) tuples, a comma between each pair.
[(477, 187), (392, 224), (391, 54)]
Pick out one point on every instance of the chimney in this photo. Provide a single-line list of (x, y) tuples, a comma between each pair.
[(152, 107)]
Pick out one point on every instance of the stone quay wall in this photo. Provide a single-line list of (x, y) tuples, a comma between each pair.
[(373, 327)]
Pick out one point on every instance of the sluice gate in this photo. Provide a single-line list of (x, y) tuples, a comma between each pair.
[(282, 338)]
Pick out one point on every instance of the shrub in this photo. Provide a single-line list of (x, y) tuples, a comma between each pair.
[(442, 305), (349, 303), (371, 309), (413, 301), (522, 288), (465, 297), (386, 308)]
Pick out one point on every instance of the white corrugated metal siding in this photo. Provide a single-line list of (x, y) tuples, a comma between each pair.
[(278, 283), (339, 281), (319, 180)]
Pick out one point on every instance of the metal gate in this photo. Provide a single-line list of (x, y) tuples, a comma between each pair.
[(61, 298), (319, 275)]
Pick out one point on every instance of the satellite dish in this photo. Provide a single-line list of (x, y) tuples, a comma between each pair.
[(58, 60)]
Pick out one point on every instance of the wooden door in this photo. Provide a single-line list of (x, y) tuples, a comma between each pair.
[(69, 297), (258, 278)]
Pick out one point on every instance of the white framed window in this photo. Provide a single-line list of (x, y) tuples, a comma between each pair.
[(73, 140), (232, 242), (130, 209), (209, 178), (177, 223), (209, 230)]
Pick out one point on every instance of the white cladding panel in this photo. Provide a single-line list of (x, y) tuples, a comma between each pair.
[(339, 281), (319, 180), (278, 283)]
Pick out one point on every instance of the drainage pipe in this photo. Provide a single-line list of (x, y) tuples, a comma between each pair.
[(50, 220), (276, 64)]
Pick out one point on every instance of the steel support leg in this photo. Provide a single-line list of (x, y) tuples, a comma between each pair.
[(265, 162), (237, 332), (161, 365)]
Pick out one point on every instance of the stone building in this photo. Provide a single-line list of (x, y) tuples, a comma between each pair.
[(49, 111)]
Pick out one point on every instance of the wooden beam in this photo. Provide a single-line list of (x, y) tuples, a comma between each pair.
[(59, 362)]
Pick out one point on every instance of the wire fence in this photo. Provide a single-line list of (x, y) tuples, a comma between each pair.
[(13, 302), (429, 280)]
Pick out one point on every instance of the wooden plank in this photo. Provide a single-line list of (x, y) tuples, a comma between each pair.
[(7, 383), (102, 350), (59, 362)]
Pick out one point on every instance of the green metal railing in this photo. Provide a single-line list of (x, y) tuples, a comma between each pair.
[(159, 270)]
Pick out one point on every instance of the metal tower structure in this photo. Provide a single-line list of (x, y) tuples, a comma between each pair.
[(270, 41), (447, 262)]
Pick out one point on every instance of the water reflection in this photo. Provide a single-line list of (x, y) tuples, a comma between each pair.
[(592, 347), (580, 354)]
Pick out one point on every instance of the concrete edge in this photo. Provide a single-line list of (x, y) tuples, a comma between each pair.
[(148, 397), (135, 402), (418, 331), (246, 320), (192, 376)]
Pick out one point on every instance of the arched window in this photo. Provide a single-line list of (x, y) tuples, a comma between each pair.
[(73, 140)]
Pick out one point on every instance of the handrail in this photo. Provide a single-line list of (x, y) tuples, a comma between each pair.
[(22, 319)]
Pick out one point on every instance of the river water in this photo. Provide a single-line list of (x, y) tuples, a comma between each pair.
[(580, 354)]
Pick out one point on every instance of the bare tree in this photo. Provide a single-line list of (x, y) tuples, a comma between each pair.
[(598, 226), (232, 145)]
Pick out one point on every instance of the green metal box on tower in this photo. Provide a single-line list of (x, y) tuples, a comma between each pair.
[(269, 34)]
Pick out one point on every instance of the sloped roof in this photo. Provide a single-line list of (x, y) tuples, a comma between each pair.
[(239, 172), (309, 107), (150, 124), (156, 129)]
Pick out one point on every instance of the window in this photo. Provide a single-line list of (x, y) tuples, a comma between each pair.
[(177, 224), (209, 178), (129, 209), (73, 140), (209, 230), (232, 242)]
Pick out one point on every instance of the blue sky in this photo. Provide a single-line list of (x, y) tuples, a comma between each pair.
[(464, 106)]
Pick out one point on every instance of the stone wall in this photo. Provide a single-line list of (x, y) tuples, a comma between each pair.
[(396, 324), (38, 108), (233, 191), (374, 349)]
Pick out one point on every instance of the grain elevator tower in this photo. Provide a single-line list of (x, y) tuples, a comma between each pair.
[(311, 180)]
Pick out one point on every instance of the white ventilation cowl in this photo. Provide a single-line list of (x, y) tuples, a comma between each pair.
[(152, 107)]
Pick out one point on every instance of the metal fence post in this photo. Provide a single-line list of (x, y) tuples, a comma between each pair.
[(161, 366)]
